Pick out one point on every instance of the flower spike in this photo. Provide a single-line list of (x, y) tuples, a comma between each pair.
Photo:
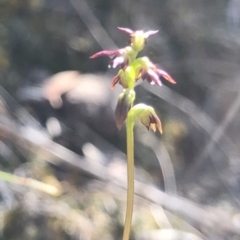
[(131, 70)]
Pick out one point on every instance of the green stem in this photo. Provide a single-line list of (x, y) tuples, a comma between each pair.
[(130, 180)]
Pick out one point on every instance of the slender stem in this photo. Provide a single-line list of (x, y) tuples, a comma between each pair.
[(130, 180)]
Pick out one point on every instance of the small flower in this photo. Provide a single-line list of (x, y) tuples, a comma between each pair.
[(138, 38), (147, 116), (149, 71), (125, 101), (120, 57), (151, 121)]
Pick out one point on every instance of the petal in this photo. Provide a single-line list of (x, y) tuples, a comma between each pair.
[(115, 62), (154, 77), (153, 127), (165, 75), (115, 80), (105, 53), (150, 33), (154, 120), (145, 120), (126, 30), (141, 74), (151, 121)]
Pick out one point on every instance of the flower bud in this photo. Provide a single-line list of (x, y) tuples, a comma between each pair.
[(125, 101)]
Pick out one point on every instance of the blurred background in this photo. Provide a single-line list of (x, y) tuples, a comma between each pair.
[(62, 159)]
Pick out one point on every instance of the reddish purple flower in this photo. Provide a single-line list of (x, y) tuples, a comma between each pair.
[(120, 57), (149, 71)]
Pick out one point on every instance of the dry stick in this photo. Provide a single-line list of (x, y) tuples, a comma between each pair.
[(29, 182)]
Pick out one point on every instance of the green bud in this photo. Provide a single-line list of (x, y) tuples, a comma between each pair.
[(125, 102)]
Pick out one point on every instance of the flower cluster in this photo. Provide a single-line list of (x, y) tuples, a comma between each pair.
[(131, 70)]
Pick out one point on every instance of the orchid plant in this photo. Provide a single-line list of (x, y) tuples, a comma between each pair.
[(132, 69)]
